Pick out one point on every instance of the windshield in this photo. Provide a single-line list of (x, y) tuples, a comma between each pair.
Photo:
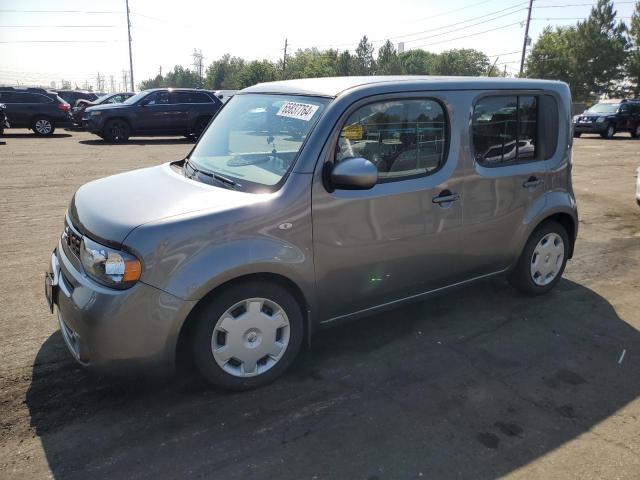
[(604, 108), (135, 98), (255, 138), (102, 98)]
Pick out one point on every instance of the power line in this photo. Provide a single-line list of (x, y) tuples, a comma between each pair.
[(60, 41), (471, 19), (463, 28), (59, 26), (4, 10), (467, 36)]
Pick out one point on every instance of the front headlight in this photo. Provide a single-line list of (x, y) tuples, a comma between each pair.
[(575, 118), (601, 119), (95, 113), (108, 266)]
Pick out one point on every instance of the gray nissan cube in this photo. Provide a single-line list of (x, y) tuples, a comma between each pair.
[(309, 202)]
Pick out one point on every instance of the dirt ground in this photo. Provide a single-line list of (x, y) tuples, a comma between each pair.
[(479, 383)]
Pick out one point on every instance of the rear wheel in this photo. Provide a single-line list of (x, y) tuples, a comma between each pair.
[(636, 132), (542, 261), (43, 126), (247, 335), (116, 131)]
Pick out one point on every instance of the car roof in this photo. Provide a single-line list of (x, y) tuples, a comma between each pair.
[(334, 86)]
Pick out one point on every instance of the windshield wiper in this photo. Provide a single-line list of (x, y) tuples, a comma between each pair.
[(216, 176)]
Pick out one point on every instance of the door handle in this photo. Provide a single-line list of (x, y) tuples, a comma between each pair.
[(532, 182), (446, 196)]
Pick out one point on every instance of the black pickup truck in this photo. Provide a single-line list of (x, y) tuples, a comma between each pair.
[(155, 112)]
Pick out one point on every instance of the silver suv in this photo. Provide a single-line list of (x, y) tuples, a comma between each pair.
[(310, 202)]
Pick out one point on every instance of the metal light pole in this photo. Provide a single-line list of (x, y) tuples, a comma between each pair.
[(526, 38), (131, 57)]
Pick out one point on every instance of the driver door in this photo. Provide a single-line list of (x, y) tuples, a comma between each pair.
[(396, 240)]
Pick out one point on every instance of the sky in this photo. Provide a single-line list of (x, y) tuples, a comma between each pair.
[(77, 40)]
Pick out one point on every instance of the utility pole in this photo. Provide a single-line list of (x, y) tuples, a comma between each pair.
[(131, 57), (160, 71), (284, 59), (197, 63), (526, 38), (99, 83), (125, 80), (113, 83)]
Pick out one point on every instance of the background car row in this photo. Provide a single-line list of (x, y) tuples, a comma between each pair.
[(114, 117)]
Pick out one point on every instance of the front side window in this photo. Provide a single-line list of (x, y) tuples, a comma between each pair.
[(256, 138), (158, 98), (505, 129), (402, 138), (609, 108)]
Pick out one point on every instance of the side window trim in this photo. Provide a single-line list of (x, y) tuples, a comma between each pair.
[(399, 97)]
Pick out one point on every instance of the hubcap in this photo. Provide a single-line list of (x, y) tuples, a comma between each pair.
[(547, 259), (250, 337), (610, 132), (43, 126)]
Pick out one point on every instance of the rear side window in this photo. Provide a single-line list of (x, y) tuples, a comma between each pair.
[(403, 138), (505, 129), (37, 98)]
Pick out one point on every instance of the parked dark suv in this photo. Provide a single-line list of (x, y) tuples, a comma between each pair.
[(35, 108), (608, 118), (162, 111)]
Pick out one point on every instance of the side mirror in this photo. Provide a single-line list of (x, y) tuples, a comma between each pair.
[(354, 174)]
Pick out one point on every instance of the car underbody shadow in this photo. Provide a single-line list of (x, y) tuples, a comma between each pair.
[(473, 384), (140, 141)]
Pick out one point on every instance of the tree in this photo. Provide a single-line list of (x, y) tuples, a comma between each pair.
[(633, 63), (364, 64), (418, 62), (388, 62), (345, 64), (257, 72), (466, 61), (224, 73), (152, 83), (590, 57)]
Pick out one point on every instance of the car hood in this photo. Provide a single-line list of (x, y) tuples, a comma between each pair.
[(108, 209)]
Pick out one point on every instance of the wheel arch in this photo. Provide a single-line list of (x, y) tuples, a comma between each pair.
[(182, 353)]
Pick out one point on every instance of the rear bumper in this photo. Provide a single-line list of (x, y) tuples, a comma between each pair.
[(116, 331)]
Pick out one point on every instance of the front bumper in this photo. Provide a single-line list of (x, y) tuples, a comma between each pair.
[(115, 331), (92, 124), (591, 127)]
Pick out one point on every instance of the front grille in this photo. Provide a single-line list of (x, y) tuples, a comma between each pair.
[(72, 239)]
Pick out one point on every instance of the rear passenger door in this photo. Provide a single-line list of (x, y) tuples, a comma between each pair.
[(507, 173)]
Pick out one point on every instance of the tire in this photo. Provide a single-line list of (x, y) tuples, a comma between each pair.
[(222, 340), (636, 132), (43, 126), (116, 131), (539, 267), (201, 126), (609, 132), (577, 135)]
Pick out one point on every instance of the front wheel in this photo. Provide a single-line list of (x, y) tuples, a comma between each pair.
[(609, 132), (636, 132), (43, 126), (542, 261), (116, 131), (247, 335), (577, 134)]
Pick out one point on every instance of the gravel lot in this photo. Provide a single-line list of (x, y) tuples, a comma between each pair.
[(479, 383)]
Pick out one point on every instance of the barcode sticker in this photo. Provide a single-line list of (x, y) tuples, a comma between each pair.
[(300, 111)]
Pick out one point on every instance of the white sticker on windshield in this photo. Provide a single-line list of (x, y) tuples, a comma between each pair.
[(301, 111)]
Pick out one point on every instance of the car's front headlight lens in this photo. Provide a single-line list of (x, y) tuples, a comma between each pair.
[(601, 119), (95, 114), (108, 266)]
